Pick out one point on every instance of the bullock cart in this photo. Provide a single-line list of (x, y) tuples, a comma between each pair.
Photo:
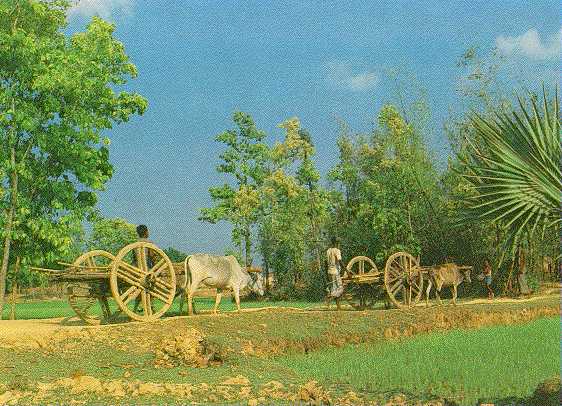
[(141, 279), (401, 282)]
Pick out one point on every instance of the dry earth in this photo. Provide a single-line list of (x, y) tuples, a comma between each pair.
[(39, 333), (262, 333)]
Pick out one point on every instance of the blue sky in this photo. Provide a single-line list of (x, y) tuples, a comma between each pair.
[(199, 61)]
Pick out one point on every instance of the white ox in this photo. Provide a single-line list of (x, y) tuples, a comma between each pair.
[(220, 272)]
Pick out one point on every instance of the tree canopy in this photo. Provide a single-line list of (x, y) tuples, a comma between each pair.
[(57, 96)]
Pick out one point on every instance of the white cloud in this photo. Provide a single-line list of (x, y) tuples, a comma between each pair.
[(342, 75), (365, 80), (531, 45), (104, 8)]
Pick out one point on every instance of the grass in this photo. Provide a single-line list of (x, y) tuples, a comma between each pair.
[(464, 366), (491, 364), (60, 308)]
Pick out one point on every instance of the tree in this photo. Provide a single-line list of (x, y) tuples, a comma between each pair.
[(245, 160), (389, 191), (294, 210), (111, 234), (56, 98), (175, 255)]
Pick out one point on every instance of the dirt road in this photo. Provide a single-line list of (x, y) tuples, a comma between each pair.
[(38, 333)]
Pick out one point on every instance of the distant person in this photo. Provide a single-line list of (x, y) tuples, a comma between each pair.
[(142, 233), (335, 287), (488, 278)]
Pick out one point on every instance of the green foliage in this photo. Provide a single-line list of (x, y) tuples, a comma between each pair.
[(386, 193), (513, 163), (295, 209), (111, 234), (175, 255), (244, 160), (484, 99), (57, 96), (389, 191)]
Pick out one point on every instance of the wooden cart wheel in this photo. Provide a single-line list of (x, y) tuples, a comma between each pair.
[(403, 279), (143, 276), (361, 265), (360, 295), (84, 296)]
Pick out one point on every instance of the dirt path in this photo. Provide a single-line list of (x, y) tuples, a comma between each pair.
[(35, 333), (40, 333), (501, 300)]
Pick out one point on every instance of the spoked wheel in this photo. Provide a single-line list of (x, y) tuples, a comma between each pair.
[(143, 281), (89, 299), (403, 279), (361, 265), (360, 292)]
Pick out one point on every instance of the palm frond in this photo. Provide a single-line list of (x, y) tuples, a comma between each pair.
[(513, 164)]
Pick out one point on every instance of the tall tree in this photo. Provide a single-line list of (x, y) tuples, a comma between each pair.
[(56, 97), (111, 234), (294, 209), (245, 159), (390, 189)]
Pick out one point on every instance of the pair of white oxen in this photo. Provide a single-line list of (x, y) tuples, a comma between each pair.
[(220, 272)]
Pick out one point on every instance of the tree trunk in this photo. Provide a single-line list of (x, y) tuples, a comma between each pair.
[(315, 231), (15, 288), (508, 287), (521, 281), (266, 271), (9, 228), (316, 237), (13, 301), (247, 246)]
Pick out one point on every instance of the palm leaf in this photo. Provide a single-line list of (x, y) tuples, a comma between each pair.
[(513, 164)]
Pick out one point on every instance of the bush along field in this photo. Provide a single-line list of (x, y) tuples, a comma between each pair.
[(501, 353)]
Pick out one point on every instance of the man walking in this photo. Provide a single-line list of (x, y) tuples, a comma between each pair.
[(335, 287)]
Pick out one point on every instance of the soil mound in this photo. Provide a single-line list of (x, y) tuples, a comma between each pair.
[(237, 380), (187, 349), (314, 394)]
